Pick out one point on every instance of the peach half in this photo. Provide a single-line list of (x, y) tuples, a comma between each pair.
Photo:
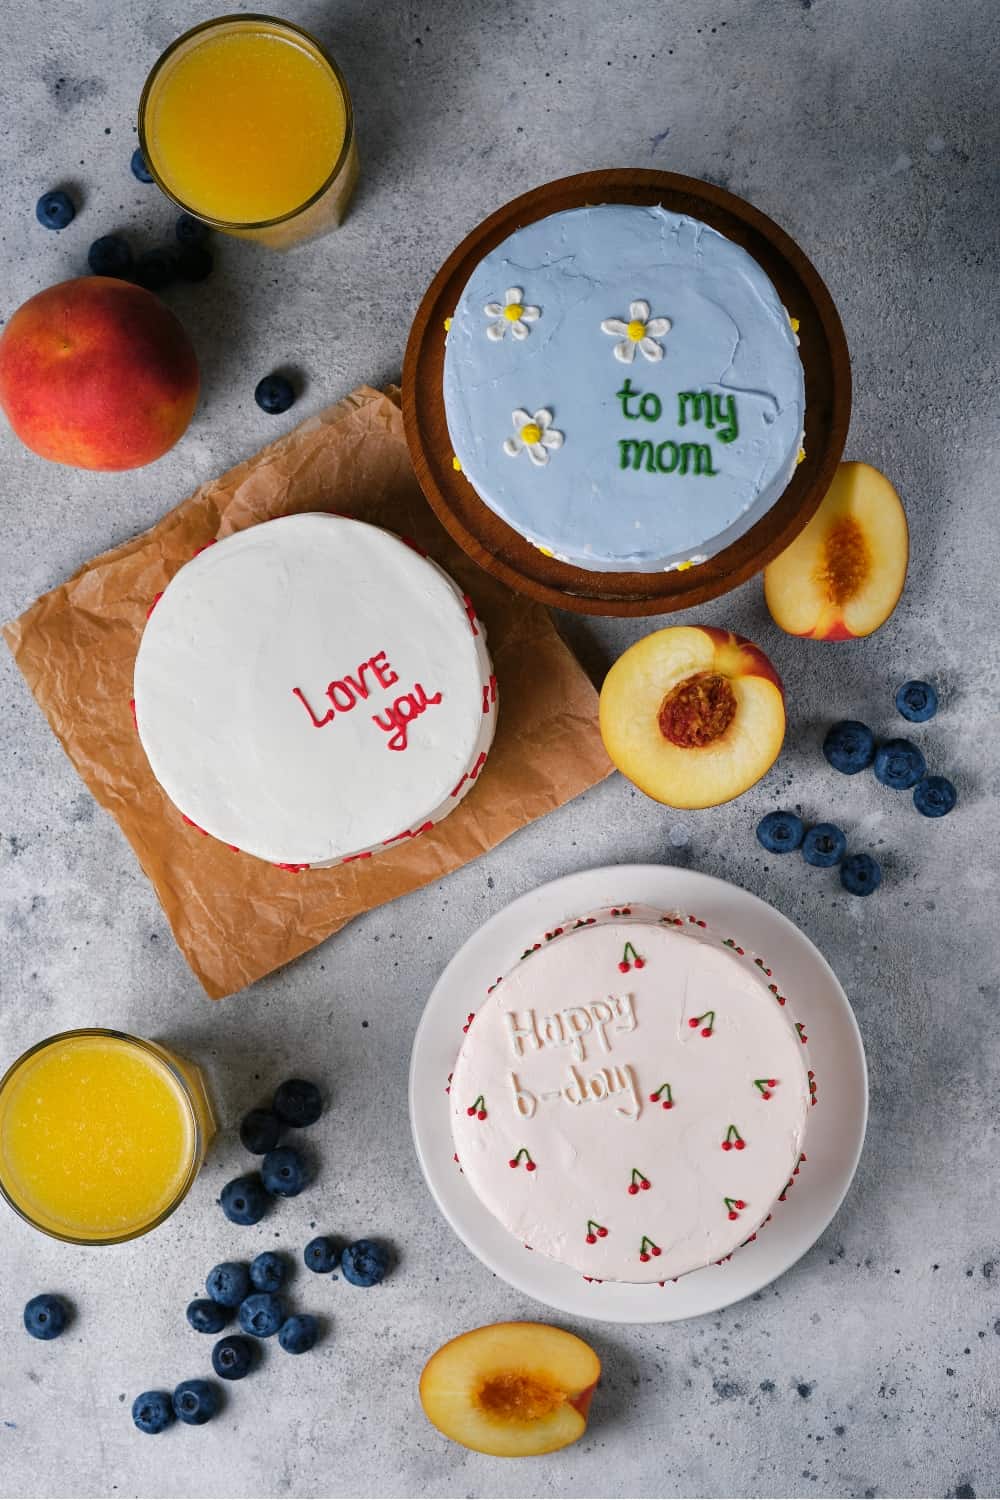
[(693, 715), (512, 1390), (843, 575)]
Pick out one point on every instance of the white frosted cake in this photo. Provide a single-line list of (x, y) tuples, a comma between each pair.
[(631, 1099), (314, 689), (623, 387)]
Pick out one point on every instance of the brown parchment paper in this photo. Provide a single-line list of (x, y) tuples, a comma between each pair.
[(235, 918)]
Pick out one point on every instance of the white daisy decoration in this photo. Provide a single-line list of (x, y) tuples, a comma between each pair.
[(640, 332), (512, 313), (535, 434)]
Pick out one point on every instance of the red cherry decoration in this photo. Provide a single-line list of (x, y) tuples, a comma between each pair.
[(733, 1214), (591, 1239), (481, 1114), (740, 1203), (740, 1145), (705, 1030), (693, 1022), (602, 1232), (727, 1145), (624, 967), (656, 1250), (668, 1104), (512, 1162), (633, 1187), (766, 1094), (653, 1098), (644, 1256), (470, 1110), (772, 1083), (645, 1185), (640, 963), (529, 1166)]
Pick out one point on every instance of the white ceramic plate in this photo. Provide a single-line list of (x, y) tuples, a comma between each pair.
[(836, 1126)]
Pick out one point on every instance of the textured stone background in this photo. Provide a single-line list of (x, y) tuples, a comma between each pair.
[(869, 129)]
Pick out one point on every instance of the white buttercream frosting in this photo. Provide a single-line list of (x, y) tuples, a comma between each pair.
[(559, 1067), (312, 689)]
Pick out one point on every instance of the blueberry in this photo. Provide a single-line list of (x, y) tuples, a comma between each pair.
[(196, 1402), (274, 394), (935, 796), (190, 231), (153, 1411), (365, 1262), (110, 256), (780, 832), (268, 1271), (824, 845), (262, 1314), (917, 701), (193, 263), (860, 874), (260, 1131), (207, 1317), (899, 764), (228, 1283), (138, 165), (298, 1334), (321, 1254), (297, 1102), (232, 1357), (283, 1172), (155, 269), (244, 1200), (45, 1317), (55, 210), (849, 746)]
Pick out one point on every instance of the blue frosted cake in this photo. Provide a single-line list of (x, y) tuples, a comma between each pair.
[(623, 387)]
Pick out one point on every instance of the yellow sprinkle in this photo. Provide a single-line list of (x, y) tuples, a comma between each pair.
[(545, 551), (447, 324), (794, 322), (800, 455), (683, 567), (531, 433), (456, 463), (636, 330), (513, 311)]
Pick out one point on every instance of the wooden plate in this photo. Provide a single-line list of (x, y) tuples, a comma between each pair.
[(499, 549)]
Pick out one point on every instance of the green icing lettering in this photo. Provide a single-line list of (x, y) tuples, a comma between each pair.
[(651, 407), (702, 404), (661, 464), (713, 410), (631, 451), (624, 396), (697, 454), (725, 413)]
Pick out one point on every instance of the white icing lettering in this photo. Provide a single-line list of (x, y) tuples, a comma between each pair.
[(525, 1102), (604, 1084), (626, 1080), (568, 1027), (626, 1012), (603, 1014), (553, 1030), (520, 1030), (579, 1021)]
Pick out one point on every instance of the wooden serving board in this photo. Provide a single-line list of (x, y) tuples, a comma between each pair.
[(499, 549)]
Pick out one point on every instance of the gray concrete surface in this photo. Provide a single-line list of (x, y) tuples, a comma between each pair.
[(869, 129)]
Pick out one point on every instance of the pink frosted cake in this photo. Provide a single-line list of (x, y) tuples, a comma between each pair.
[(632, 1098)]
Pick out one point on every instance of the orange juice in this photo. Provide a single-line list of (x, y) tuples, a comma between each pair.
[(101, 1135), (246, 123)]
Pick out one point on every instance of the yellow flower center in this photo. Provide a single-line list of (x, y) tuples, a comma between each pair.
[(531, 433), (513, 311), (636, 330)]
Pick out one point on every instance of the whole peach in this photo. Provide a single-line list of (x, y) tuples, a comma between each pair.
[(98, 374)]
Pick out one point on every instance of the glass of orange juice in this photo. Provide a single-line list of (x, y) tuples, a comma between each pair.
[(101, 1135), (246, 123)]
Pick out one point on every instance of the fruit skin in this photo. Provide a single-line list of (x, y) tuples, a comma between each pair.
[(111, 255), (917, 701), (321, 1254), (193, 263), (899, 764), (55, 210), (232, 1357), (45, 1316), (138, 166), (824, 845), (561, 1372), (97, 374), (860, 874), (262, 1314), (206, 1316), (153, 1411), (849, 746), (268, 1271), (155, 269), (283, 1172), (196, 1402), (297, 1103), (244, 1200), (260, 1131), (842, 576), (298, 1335), (274, 394), (642, 682), (780, 832), (365, 1263), (934, 797), (228, 1283)]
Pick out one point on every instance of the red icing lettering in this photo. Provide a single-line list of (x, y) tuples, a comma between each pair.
[(337, 692), (358, 683), (317, 723), (407, 707), (386, 676)]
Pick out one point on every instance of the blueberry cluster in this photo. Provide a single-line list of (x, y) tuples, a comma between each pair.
[(824, 845), (899, 764), (296, 1105)]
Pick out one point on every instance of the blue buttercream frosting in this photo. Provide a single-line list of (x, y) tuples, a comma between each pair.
[(667, 468)]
